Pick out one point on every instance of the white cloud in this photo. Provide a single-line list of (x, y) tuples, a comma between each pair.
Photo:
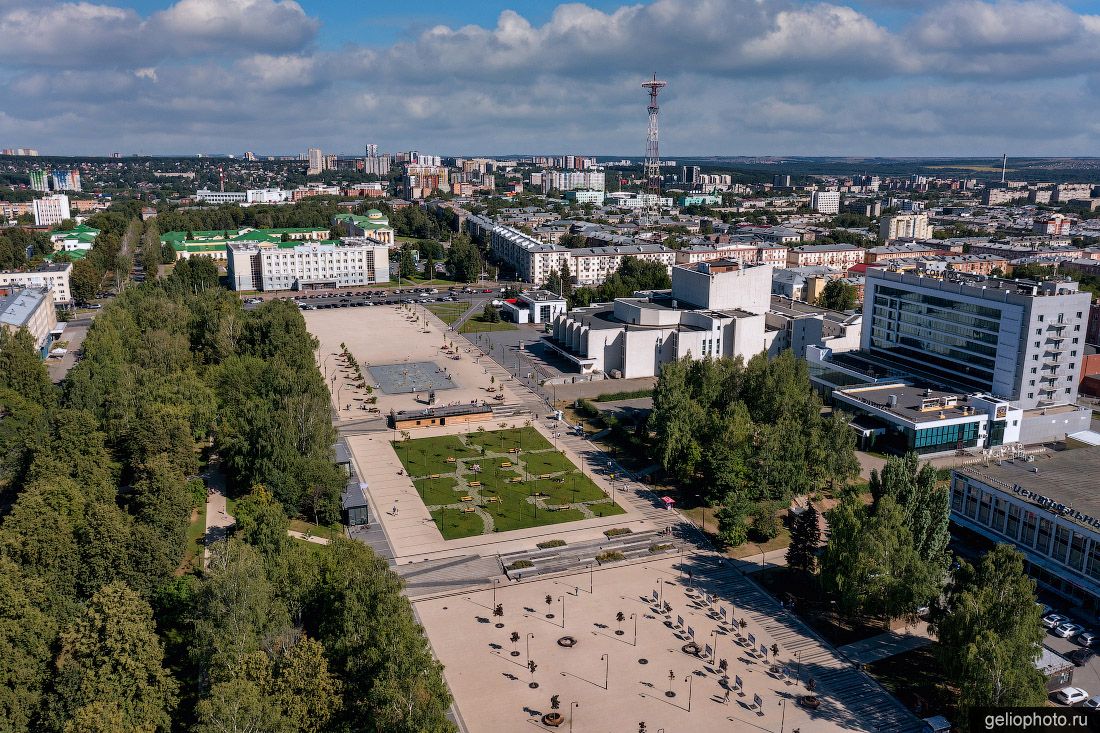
[(746, 76)]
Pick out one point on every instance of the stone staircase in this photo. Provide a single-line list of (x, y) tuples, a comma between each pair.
[(432, 577)]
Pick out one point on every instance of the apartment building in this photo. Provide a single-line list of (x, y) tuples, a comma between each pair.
[(828, 255), (905, 226), (53, 277), (51, 210)]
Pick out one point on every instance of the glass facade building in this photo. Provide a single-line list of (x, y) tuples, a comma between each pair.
[(930, 334)]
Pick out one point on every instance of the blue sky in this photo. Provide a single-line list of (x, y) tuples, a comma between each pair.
[(747, 77)]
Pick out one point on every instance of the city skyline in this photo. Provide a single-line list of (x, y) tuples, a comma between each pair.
[(792, 78)]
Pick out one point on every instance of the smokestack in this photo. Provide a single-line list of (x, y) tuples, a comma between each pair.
[(1004, 167)]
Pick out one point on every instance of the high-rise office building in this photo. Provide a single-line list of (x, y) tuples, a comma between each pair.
[(690, 174), (316, 162), (372, 150), (1014, 339), (781, 180)]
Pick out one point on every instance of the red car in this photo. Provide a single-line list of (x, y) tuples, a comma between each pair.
[(487, 290)]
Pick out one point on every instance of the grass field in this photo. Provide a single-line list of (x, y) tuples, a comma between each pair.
[(196, 532), (437, 490), (456, 524), (448, 312), (531, 487), (425, 456), (477, 325)]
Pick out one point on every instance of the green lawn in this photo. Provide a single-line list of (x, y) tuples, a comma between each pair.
[(515, 512), (501, 441), (563, 493), (515, 508), (196, 532), (458, 524), (436, 491), (549, 462), (476, 325), (425, 456), (448, 312), (606, 509)]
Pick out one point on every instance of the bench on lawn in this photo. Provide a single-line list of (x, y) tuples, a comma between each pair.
[(467, 498), (492, 499), (506, 464), (475, 483), (467, 510), (450, 459), (513, 450)]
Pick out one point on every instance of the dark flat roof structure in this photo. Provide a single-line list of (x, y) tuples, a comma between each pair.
[(915, 404), (1069, 477)]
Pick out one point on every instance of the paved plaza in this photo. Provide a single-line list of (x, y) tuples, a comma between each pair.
[(451, 582), (417, 376), (604, 672)]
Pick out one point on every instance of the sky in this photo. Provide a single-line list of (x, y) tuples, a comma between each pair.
[(465, 77)]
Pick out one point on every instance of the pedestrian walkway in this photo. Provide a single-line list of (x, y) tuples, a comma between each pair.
[(887, 644), (862, 703), (432, 577)]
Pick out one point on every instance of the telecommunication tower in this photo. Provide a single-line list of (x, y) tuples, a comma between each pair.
[(652, 168)]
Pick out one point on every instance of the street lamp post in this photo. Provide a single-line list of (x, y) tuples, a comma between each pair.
[(635, 617), (661, 592), (606, 669), (562, 599), (529, 637), (572, 708), (688, 680), (714, 649), (496, 582)]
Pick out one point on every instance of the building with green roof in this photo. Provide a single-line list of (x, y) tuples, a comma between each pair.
[(79, 238), (373, 224)]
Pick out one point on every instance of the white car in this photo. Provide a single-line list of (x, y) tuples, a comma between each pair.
[(1068, 630), (1092, 703), (1071, 695), (1087, 638), (1052, 619)]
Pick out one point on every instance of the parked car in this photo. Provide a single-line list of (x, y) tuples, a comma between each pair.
[(1087, 638), (1068, 630), (1053, 619), (1071, 695), (1092, 703), (1080, 657)]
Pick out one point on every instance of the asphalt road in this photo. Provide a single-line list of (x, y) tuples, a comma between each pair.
[(75, 331)]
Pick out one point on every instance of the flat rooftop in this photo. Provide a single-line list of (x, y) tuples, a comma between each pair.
[(1068, 477), (912, 403)]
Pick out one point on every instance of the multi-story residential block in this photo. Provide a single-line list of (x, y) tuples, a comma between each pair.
[(1066, 192), (349, 262), (572, 180), (65, 180), (585, 197), (899, 251), (32, 309), (40, 180), (53, 277), (1016, 340), (829, 255), (1055, 224), (905, 226), (51, 210), (267, 196), (825, 202), (533, 260), (316, 162)]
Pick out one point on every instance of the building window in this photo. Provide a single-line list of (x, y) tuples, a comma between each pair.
[(1042, 540), (1061, 543), (1077, 551), (1013, 526), (1028, 535)]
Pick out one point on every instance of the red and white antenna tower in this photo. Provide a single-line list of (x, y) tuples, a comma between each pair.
[(652, 167), (221, 178)]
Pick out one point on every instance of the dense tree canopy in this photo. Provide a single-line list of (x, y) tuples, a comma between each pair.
[(989, 632)]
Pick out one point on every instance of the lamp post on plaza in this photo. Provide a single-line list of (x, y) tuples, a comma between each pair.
[(635, 617), (688, 680), (572, 711), (529, 637), (606, 669), (562, 599)]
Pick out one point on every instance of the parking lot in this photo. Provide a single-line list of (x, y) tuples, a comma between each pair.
[(307, 300)]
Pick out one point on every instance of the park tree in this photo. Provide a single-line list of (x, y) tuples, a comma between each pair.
[(490, 313), (27, 632), (836, 458), (988, 627), (732, 529), (392, 682), (924, 501), (405, 263), (463, 261), (109, 665), (805, 537), (22, 370), (765, 525), (838, 295)]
